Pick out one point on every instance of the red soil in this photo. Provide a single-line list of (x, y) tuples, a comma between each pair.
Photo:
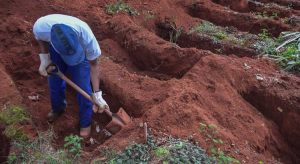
[(172, 88)]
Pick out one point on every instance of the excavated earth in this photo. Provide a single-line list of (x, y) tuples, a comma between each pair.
[(171, 87)]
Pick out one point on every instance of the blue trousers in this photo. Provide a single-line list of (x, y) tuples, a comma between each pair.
[(80, 75)]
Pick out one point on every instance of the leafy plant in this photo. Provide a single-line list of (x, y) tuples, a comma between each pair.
[(12, 158), (262, 14), (13, 115), (114, 8), (221, 158), (170, 150), (287, 54), (161, 152), (136, 153), (73, 144), (264, 34), (211, 133)]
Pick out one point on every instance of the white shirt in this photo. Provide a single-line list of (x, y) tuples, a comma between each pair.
[(42, 30)]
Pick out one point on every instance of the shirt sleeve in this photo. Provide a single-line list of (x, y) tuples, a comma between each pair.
[(93, 50), (41, 30)]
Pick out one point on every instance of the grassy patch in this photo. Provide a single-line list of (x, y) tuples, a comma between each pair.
[(217, 33), (264, 14), (114, 8), (23, 150), (39, 150)]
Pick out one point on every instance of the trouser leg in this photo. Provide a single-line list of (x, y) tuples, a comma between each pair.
[(56, 85), (81, 76)]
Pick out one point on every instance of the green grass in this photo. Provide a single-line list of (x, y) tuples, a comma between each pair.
[(114, 8), (217, 33), (39, 150), (23, 150), (263, 43)]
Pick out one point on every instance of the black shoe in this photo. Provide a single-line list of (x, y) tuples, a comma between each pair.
[(51, 117)]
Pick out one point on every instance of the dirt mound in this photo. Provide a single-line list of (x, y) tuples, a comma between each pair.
[(172, 87)]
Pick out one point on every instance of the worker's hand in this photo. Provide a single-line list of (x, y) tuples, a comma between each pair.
[(45, 61), (100, 103)]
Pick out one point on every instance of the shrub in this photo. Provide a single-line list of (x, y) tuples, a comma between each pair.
[(73, 144), (13, 115), (114, 8), (170, 150)]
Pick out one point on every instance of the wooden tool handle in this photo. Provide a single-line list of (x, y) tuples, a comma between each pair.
[(81, 91)]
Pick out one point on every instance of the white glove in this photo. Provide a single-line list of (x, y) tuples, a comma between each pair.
[(100, 102), (45, 61)]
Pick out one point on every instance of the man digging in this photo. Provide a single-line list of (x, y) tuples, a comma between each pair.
[(70, 44)]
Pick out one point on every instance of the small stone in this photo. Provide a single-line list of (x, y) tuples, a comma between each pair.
[(141, 125), (259, 77), (34, 98), (246, 66), (280, 109), (107, 133), (98, 129), (92, 141)]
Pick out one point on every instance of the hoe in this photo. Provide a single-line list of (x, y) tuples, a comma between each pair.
[(119, 119)]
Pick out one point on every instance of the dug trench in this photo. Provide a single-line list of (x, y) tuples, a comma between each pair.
[(256, 6), (274, 141), (193, 40), (243, 21)]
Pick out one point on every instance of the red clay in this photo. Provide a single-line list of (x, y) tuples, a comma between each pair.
[(172, 88)]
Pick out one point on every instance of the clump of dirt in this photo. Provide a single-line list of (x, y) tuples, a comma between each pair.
[(173, 86)]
